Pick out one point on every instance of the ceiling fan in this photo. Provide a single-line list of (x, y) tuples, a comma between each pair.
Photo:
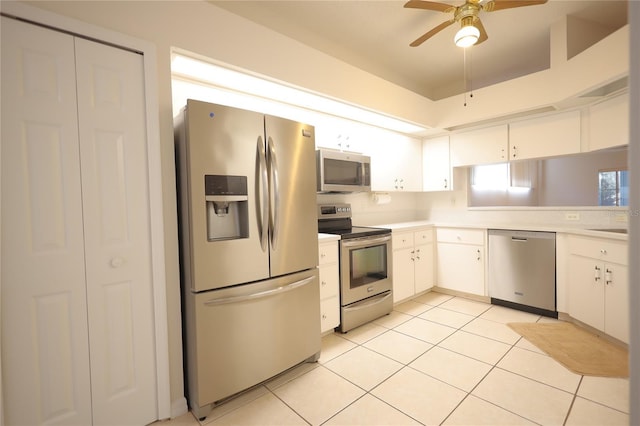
[(471, 29)]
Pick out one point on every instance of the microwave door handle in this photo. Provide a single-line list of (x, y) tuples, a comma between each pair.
[(262, 198), (275, 193)]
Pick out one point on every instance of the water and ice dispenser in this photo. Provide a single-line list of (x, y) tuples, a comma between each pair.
[(227, 209)]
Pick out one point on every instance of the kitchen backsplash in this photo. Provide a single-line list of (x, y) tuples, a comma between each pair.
[(450, 207)]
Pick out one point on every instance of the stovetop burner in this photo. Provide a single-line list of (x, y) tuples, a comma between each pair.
[(336, 219)]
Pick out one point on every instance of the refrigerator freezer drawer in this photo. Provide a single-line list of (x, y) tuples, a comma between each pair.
[(238, 337)]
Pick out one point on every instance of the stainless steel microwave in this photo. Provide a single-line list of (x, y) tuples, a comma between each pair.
[(341, 171)]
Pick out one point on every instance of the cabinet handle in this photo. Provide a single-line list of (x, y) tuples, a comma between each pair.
[(322, 255), (603, 251), (607, 276), (478, 254), (323, 283), (502, 153), (596, 276), (445, 184), (515, 151)]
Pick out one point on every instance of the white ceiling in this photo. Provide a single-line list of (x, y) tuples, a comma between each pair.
[(375, 36)]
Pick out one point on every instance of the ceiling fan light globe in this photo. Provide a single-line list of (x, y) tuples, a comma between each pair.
[(466, 36)]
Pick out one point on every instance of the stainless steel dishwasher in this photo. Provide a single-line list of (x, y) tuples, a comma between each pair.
[(522, 270)]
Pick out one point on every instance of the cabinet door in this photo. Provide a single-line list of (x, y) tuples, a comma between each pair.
[(616, 301), (334, 134), (609, 123), (45, 349), (423, 272), (396, 163), (461, 267), (436, 168), (483, 146), (403, 275), (586, 290), (555, 134)]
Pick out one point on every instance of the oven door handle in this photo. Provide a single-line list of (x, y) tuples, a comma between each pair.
[(356, 242)]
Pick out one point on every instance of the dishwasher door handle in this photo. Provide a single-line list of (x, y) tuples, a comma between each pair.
[(519, 239)]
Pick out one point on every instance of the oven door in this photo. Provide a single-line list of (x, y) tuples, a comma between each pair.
[(365, 267)]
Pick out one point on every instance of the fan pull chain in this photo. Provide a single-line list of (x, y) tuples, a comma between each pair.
[(466, 74)]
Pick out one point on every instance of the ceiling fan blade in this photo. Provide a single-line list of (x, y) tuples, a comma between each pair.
[(483, 32), (495, 5), (431, 33), (429, 5)]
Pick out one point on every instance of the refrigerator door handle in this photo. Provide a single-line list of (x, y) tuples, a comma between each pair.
[(275, 193), (263, 194), (260, 294)]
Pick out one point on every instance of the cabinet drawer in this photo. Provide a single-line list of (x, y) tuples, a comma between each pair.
[(329, 277), (462, 236), (423, 237), (605, 250), (329, 314), (402, 240), (328, 252)]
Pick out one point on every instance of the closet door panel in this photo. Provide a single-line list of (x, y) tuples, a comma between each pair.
[(116, 205), (45, 353)]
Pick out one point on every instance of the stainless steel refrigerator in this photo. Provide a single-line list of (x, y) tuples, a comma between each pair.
[(249, 248)]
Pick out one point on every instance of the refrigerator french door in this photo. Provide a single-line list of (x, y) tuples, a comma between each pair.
[(249, 251)]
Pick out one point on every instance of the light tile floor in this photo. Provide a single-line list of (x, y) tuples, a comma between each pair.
[(434, 360)]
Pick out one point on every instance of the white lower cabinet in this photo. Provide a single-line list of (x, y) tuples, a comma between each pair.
[(460, 260), (329, 285), (412, 262), (598, 284)]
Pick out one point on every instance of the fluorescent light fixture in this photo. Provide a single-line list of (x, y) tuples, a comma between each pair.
[(206, 72), (466, 36)]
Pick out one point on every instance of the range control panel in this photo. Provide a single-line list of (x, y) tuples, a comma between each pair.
[(334, 211)]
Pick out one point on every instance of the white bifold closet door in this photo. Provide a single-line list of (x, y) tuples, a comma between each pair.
[(77, 304)]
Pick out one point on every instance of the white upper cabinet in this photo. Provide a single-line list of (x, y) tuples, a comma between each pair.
[(396, 163), (550, 135), (609, 123), (482, 146), (436, 167), (339, 136)]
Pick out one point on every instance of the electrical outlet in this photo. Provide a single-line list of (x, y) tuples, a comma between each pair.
[(621, 217), (572, 216)]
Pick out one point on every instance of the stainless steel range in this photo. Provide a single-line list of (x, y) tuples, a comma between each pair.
[(365, 266)]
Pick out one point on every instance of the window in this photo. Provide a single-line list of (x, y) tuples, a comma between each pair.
[(613, 188), (517, 176)]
